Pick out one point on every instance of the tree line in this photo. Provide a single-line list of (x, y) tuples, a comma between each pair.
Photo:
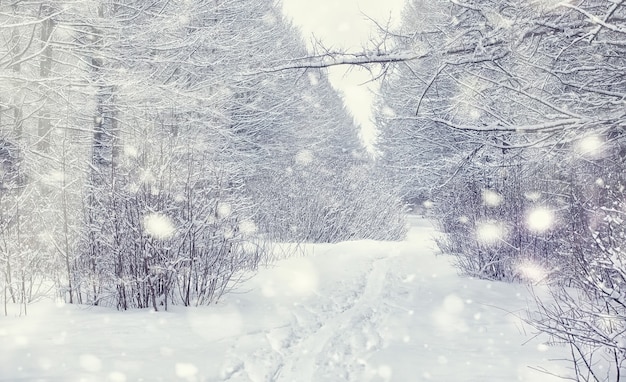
[(143, 162), (507, 118)]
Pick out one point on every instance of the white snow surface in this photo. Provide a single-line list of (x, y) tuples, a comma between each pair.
[(354, 311)]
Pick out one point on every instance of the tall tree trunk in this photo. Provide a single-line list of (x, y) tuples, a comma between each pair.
[(45, 69), (101, 187)]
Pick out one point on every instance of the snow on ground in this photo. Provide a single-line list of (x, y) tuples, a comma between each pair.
[(355, 311)]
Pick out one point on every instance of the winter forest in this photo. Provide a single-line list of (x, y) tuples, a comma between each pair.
[(156, 155)]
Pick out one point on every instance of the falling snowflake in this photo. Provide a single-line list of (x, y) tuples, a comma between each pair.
[(247, 227), (131, 151), (228, 233), (591, 146), (186, 370), (158, 226), (304, 157), (453, 304), (269, 19), (90, 363), (465, 99), (448, 317), (116, 376), (533, 196), (490, 233), (385, 372), (53, 178), (388, 112), (313, 80), (540, 219), (224, 210), (498, 20), (531, 271), (600, 182), (146, 176), (491, 198)]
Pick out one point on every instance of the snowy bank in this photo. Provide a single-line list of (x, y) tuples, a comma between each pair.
[(354, 311)]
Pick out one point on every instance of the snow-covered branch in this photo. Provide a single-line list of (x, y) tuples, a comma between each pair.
[(545, 127), (337, 58), (601, 22)]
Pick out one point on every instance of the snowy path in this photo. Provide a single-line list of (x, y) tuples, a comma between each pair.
[(359, 311), (319, 343)]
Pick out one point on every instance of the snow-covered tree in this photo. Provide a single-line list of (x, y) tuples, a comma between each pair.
[(148, 160), (510, 124)]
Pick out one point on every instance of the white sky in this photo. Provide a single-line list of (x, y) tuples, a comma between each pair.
[(344, 24)]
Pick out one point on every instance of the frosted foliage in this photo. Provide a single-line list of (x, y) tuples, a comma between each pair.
[(304, 157), (491, 198), (590, 146), (489, 233), (224, 210), (540, 219), (158, 226)]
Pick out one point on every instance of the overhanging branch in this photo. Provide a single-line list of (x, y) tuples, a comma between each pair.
[(335, 59), (546, 127)]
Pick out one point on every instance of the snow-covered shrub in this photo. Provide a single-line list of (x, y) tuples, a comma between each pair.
[(588, 306), (332, 201), (588, 314), (10, 190), (515, 134), (26, 260), (171, 227)]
